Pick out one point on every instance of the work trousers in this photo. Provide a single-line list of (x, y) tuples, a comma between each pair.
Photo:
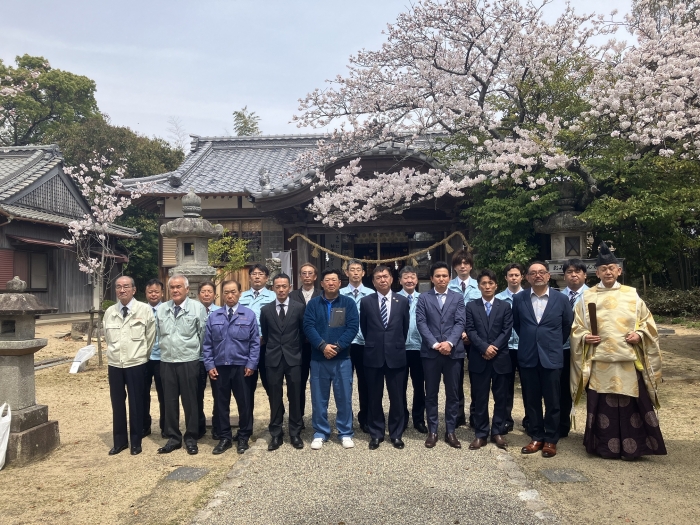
[(180, 383), (127, 383)]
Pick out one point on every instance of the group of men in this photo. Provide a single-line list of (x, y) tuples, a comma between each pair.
[(329, 336)]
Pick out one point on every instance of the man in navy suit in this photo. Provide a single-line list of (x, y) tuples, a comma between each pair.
[(489, 323), (440, 321), (542, 318), (384, 321)]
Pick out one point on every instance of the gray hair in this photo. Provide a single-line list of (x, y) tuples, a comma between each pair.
[(133, 283), (180, 276)]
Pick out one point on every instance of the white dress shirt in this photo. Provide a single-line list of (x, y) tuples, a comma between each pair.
[(539, 303)]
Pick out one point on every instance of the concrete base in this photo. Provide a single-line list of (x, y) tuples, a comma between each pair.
[(29, 417), (30, 445)]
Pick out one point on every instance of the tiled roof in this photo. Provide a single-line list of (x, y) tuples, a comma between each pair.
[(24, 165), (230, 165), (34, 215)]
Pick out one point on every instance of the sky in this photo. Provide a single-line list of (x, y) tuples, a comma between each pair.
[(197, 62)]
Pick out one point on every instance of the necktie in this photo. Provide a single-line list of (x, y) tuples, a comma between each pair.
[(355, 292), (255, 294), (207, 310), (383, 312), (154, 311), (230, 313), (572, 298), (488, 309), (441, 300), (282, 315), (410, 300), (125, 311), (464, 286), (177, 311)]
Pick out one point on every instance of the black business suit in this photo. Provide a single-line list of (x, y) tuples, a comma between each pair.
[(385, 358), (485, 330), (298, 296), (283, 337)]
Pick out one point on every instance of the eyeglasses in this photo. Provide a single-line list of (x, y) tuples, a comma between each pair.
[(308, 273), (540, 272)]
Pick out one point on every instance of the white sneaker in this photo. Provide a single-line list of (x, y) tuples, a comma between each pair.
[(347, 442), (317, 443)]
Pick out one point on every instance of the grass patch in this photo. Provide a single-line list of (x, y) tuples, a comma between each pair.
[(688, 322)]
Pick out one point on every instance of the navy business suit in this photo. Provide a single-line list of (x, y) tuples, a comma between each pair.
[(483, 331), (436, 325), (385, 357), (541, 358)]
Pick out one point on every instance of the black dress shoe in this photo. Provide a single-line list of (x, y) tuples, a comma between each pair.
[(398, 443), (192, 448), (452, 440), (477, 444), (420, 427), (135, 451), (147, 432), (275, 443), (222, 446), (296, 442), (431, 440), (169, 447), (116, 450), (242, 446), (374, 443)]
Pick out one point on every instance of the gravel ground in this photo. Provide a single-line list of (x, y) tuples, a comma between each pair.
[(359, 486)]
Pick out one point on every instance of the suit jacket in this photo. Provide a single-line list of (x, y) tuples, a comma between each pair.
[(385, 344), (543, 341), (282, 337), (437, 325), (483, 330), (296, 295)]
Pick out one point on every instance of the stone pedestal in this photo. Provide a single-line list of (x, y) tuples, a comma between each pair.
[(32, 435), (192, 233)]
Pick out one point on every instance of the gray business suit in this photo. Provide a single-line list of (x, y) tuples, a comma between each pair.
[(283, 338)]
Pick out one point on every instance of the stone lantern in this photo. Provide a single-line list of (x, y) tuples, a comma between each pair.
[(192, 233), (32, 435), (568, 234)]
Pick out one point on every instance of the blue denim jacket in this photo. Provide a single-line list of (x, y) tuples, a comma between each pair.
[(234, 342), (413, 340)]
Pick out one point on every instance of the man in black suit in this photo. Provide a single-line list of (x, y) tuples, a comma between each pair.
[(384, 321), (542, 318), (440, 320), (489, 324), (282, 326), (308, 290)]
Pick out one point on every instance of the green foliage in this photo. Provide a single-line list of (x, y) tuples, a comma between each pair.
[(107, 303), (144, 156), (663, 302), (51, 99), (229, 253), (501, 221), (143, 252), (246, 123)]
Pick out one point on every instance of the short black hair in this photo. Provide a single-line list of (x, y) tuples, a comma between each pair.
[(514, 266), (261, 267), (576, 264), (282, 275), (155, 282), (231, 281), (329, 271), (437, 265), (461, 256), (208, 283), (533, 263), (407, 269), (486, 273), (379, 269)]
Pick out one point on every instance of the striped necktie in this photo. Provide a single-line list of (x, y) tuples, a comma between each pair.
[(383, 312), (572, 298)]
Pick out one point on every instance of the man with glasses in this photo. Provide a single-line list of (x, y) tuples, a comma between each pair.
[(308, 290), (542, 318), (181, 323), (130, 333), (255, 298), (331, 322), (231, 351)]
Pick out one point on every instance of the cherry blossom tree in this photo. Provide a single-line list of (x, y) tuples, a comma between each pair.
[(465, 70)]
